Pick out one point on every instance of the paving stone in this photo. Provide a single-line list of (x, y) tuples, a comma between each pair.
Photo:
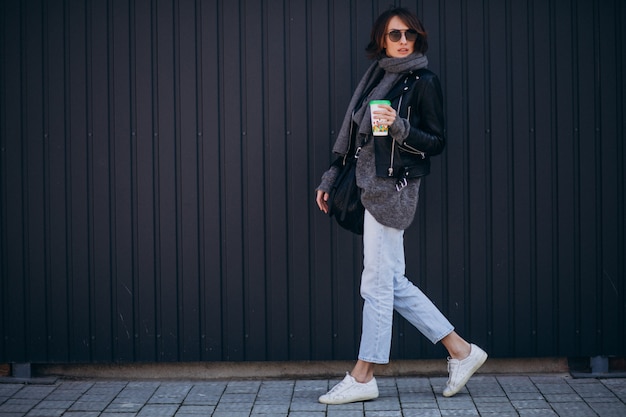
[(264, 413), (278, 385), (562, 398), (593, 391), (238, 398), (76, 385), (102, 398), (555, 388), (204, 394), (423, 412), (272, 401), (485, 390), (89, 405), (143, 384), (158, 410), (615, 385), (346, 407), (54, 404), (242, 387), (8, 390), (516, 384), (382, 404), (143, 394), (65, 395), (415, 397), (34, 392), (279, 396), (530, 404), (450, 413), (270, 409), (201, 400), (384, 392), (525, 396), (609, 408), (420, 405), (456, 403), (538, 413), (308, 406), (195, 410), (578, 409), (414, 385), (496, 408), (45, 412), (124, 406), (104, 391), (171, 393), (491, 400), (17, 405), (345, 413), (181, 414), (231, 414), (234, 406)]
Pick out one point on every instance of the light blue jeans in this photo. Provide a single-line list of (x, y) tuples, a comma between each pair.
[(385, 288)]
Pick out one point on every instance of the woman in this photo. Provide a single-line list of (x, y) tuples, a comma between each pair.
[(389, 170)]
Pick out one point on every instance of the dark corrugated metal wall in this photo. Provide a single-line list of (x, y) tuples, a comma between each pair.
[(158, 160)]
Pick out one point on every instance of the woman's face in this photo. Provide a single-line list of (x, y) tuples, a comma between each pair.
[(402, 47)]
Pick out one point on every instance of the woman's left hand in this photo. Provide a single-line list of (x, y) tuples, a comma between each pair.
[(322, 200), (386, 114)]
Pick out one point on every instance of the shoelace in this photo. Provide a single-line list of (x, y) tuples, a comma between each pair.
[(450, 369), (338, 386)]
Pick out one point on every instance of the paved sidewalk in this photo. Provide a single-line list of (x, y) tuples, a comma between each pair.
[(495, 396)]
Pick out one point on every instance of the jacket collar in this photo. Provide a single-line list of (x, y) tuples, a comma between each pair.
[(404, 84)]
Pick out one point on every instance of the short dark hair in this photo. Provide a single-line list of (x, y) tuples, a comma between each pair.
[(375, 48)]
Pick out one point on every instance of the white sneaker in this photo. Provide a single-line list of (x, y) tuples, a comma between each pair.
[(461, 371), (350, 391)]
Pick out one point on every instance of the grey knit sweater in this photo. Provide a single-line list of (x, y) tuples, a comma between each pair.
[(379, 196)]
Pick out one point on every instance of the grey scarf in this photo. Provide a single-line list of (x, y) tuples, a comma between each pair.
[(391, 70)]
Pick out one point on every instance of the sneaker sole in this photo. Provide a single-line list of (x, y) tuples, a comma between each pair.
[(352, 400), (476, 367)]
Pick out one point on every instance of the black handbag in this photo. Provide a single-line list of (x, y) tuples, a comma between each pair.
[(344, 202)]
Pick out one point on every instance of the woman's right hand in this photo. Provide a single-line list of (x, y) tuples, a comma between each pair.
[(322, 200)]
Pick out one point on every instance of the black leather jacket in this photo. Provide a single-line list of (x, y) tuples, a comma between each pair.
[(417, 98)]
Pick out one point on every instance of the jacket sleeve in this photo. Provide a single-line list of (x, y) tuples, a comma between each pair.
[(427, 131)]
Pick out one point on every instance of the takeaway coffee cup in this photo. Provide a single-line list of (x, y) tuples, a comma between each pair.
[(378, 127)]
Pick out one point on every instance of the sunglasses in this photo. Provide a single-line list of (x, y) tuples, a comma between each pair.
[(396, 35)]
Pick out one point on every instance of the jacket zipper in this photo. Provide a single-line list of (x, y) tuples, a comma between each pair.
[(350, 140), (409, 148), (357, 150), (406, 147)]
